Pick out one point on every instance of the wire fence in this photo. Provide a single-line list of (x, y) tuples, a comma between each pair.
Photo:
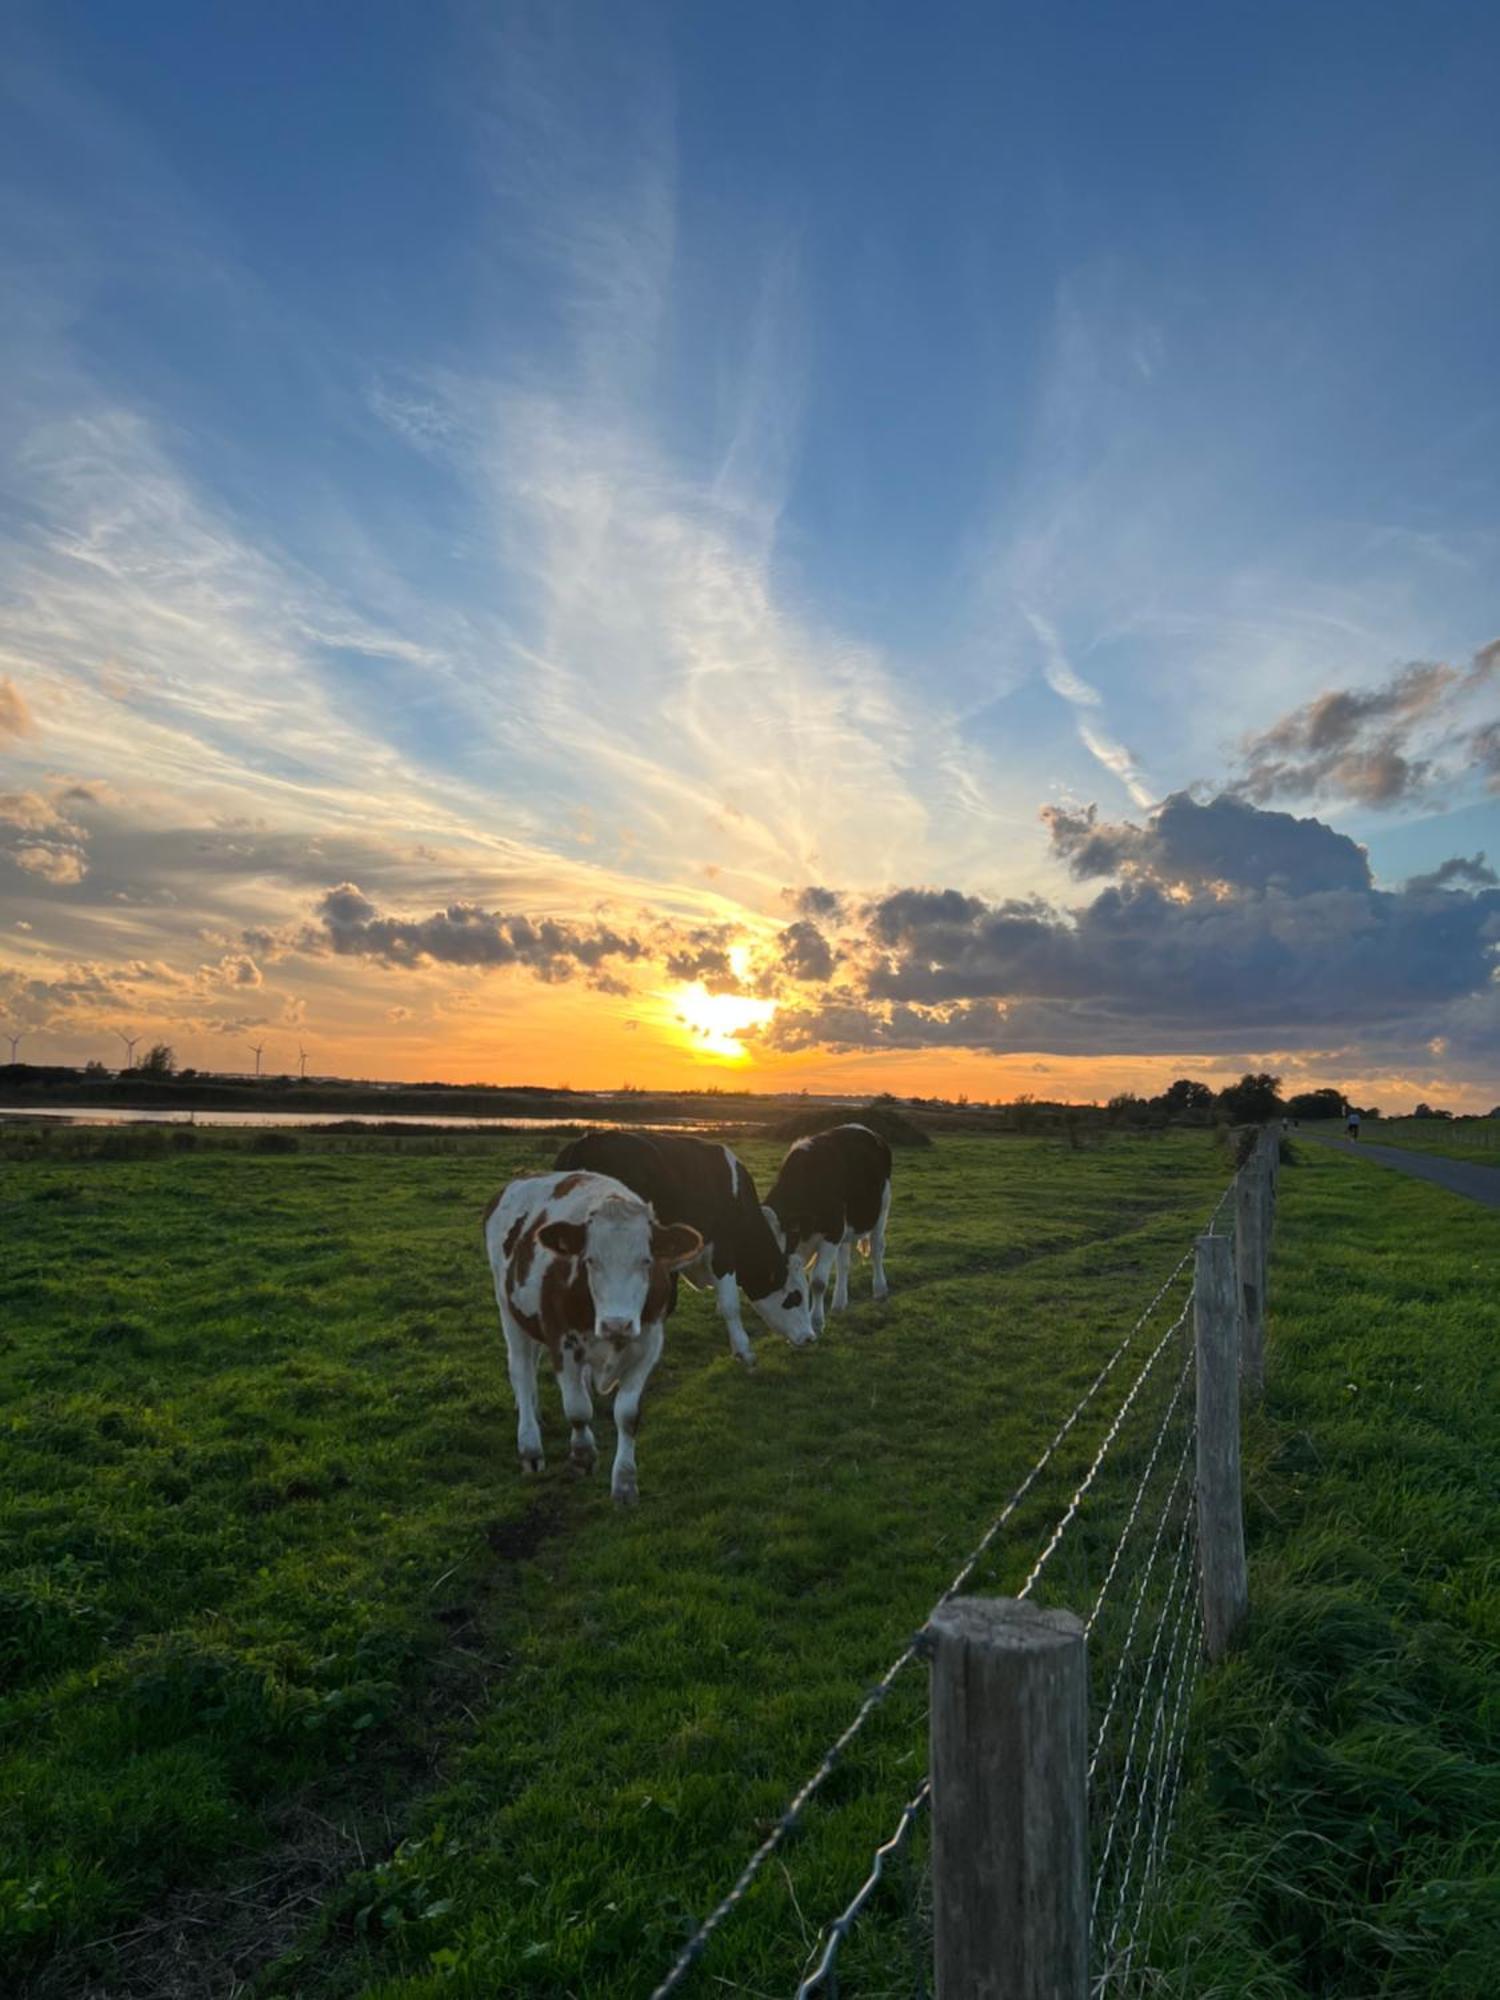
[(1125, 1544)]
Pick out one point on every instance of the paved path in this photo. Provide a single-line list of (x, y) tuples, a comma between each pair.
[(1466, 1177)]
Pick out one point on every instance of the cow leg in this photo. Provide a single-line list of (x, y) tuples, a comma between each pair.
[(628, 1412), (818, 1290), (727, 1297), (574, 1381), (522, 1355), (841, 1281), (877, 1245)]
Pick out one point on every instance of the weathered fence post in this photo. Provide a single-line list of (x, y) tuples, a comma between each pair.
[(1009, 1764), (1252, 1205), (1221, 1521)]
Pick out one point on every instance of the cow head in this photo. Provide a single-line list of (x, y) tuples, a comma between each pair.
[(625, 1257), (786, 1310)]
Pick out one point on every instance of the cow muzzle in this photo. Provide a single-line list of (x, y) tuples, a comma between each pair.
[(617, 1329)]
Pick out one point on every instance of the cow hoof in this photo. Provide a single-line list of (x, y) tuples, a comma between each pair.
[(533, 1461), (582, 1463), (626, 1495), (747, 1359)]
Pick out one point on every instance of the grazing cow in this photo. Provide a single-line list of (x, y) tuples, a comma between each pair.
[(833, 1190), (689, 1180), (583, 1269)]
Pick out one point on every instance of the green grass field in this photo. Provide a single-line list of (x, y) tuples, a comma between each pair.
[(1342, 1832), (1470, 1139), (303, 1682)]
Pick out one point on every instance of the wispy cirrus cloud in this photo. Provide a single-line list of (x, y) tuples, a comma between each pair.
[(1086, 702)]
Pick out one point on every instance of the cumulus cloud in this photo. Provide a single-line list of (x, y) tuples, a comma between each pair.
[(806, 955), (59, 865), (1379, 746), (40, 838), (700, 953), (1472, 872), (238, 969), (1225, 841), (1227, 928), (464, 934), (822, 905)]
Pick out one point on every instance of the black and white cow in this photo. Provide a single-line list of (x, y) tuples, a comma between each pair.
[(583, 1272), (833, 1191), (707, 1187)]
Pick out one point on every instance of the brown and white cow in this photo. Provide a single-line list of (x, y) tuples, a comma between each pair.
[(833, 1191), (583, 1272), (709, 1188)]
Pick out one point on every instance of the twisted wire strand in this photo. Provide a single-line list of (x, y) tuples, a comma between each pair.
[(1175, 1759), (981, 1547), (1128, 1762), (1140, 1493), (1169, 1769), (842, 1924), (1181, 1666), (1174, 1715), (693, 1950), (838, 1930), (1118, 1678), (1070, 1512)]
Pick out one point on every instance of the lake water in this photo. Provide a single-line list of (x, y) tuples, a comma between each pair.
[(120, 1114)]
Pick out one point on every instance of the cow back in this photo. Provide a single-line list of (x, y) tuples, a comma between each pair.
[(830, 1182), (694, 1181)]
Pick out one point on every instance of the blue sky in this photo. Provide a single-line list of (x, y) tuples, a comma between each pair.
[(624, 465)]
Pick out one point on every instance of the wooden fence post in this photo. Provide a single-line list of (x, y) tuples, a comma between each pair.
[(1009, 1764), (1251, 1221), (1221, 1521)]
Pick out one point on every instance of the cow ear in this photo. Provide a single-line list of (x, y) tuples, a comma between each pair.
[(563, 1239), (675, 1245)]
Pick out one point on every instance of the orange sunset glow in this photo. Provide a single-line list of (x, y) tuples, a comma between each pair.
[(553, 674)]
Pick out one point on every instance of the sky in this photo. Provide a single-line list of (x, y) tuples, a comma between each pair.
[(942, 549)]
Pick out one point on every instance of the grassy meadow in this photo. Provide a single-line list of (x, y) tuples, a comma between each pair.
[(1465, 1139), (303, 1687), (1341, 1833), (301, 1668)]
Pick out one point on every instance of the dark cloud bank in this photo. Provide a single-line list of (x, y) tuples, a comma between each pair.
[(1225, 927), (464, 934), (1221, 927)]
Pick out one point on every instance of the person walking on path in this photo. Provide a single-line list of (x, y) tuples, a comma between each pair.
[(1351, 1123)]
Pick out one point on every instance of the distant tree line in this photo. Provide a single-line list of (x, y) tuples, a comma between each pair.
[(1256, 1098)]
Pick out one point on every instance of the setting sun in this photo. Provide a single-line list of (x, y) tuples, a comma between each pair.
[(714, 1021)]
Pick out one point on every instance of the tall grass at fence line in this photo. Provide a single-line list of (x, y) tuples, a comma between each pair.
[(1341, 1824)]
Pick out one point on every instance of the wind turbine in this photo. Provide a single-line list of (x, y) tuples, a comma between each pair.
[(257, 1049), (15, 1042), (130, 1042), (302, 1061)]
